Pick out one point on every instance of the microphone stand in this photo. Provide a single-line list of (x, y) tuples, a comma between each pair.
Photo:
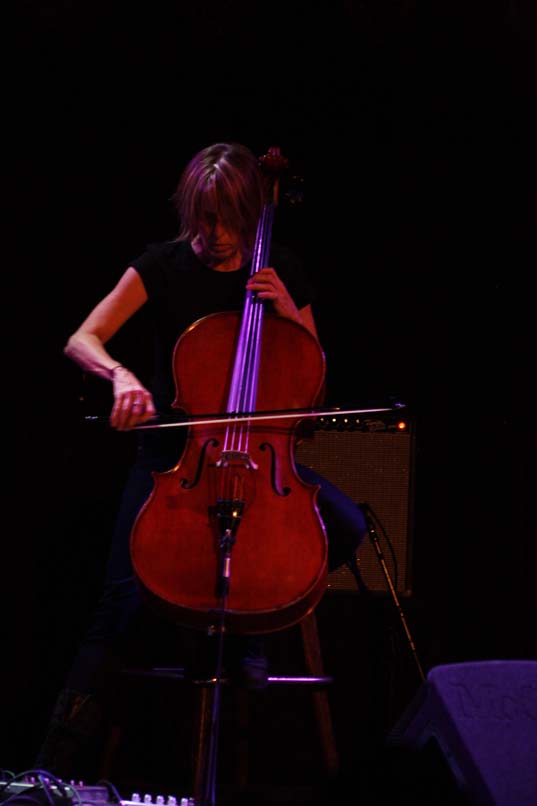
[(230, 513), (361, 585)]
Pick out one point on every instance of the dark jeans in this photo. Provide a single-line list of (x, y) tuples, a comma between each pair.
[(120, 602)]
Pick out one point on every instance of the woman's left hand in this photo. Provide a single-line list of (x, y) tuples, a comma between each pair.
[(268, 286)]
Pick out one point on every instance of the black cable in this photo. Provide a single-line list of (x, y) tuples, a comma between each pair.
[(368, 508), (354, 568), (115, 796), (23, 797), (45, 779)]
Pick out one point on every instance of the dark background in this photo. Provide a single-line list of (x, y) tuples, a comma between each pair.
[(410, 131)]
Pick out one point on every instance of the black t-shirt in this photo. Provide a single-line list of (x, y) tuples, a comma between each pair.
[(181, 290)]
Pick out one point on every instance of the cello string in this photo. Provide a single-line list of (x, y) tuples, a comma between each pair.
[(243, 387), (253, 367), (235, 398), (254, 344), (245, 373)]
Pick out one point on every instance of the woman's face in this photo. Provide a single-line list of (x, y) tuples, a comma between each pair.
[(215, 240)]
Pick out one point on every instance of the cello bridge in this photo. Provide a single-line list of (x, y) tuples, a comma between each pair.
[(244, 458)]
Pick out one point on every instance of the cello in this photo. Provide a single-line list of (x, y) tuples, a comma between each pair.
[(232, 532)]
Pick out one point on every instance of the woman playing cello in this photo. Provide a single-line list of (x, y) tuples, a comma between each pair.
[(205, 270)]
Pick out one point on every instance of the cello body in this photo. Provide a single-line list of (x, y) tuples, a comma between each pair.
[(277, 566)]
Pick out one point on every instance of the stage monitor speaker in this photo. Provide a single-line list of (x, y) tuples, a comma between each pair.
[(483, 718), (372, 461)]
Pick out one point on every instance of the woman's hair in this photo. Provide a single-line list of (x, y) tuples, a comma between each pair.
[(224, 178)]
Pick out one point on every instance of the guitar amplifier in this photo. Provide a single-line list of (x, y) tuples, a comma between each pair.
[(372, 461)]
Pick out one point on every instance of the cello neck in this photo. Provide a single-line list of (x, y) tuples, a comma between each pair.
[(263, 238), (243, 388)]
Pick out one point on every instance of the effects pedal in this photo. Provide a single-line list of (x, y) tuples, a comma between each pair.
[(44, 791)]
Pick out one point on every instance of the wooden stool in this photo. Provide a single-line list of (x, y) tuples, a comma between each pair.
[(315, 679)]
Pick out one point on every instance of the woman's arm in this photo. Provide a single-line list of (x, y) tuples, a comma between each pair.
[(133, 403)]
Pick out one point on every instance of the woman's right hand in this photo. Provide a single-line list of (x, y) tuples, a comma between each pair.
[(133, 404)]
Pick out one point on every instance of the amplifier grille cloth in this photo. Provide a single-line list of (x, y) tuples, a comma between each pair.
[(374, 468)]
